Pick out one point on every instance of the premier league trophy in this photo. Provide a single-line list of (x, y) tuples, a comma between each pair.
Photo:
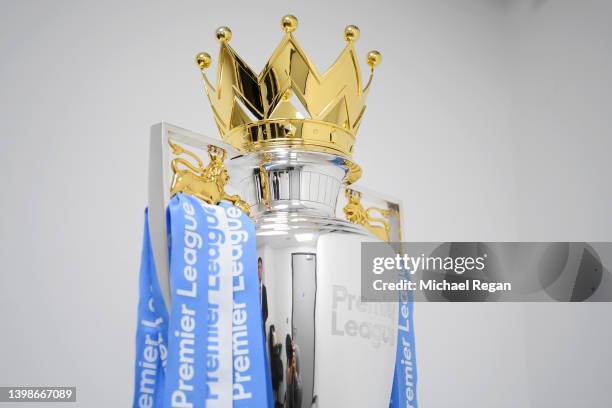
[(285, 160)]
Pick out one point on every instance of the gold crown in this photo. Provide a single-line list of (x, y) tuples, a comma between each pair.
[(255, 112)]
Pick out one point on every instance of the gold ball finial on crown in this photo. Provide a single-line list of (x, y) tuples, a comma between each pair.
[(289, 23), (224, 35), (351, 33), (373, 58), (203, 60)]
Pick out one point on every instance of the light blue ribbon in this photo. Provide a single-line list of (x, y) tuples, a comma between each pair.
[(151, 330), (251, 383), (170, 368), (404, 390), (187, 332)]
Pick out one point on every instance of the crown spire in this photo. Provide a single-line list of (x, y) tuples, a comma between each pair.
[(289, 103)]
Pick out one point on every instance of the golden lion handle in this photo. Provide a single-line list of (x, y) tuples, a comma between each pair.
[(357, 214), (205, 183)]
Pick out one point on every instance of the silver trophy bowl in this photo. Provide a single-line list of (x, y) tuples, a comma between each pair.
[(325, 347)]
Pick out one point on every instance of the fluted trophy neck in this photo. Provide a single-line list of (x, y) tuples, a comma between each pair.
[(291, 182)]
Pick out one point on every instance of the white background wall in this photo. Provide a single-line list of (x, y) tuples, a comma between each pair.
[(490, 119)]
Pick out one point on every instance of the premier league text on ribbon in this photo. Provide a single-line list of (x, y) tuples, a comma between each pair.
[(405, 372), (188, 289), (187, 326), (251, 384), (151, 351), (183, 358), (153, 359), (216, 238), (240, 337)]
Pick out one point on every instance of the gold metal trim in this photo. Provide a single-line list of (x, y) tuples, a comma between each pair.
[(310, 134), (265, 186), (357, 214), (204, 182), (354, 172)]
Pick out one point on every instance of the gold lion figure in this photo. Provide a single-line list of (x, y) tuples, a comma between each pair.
[(357, 214), (206, 183)]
